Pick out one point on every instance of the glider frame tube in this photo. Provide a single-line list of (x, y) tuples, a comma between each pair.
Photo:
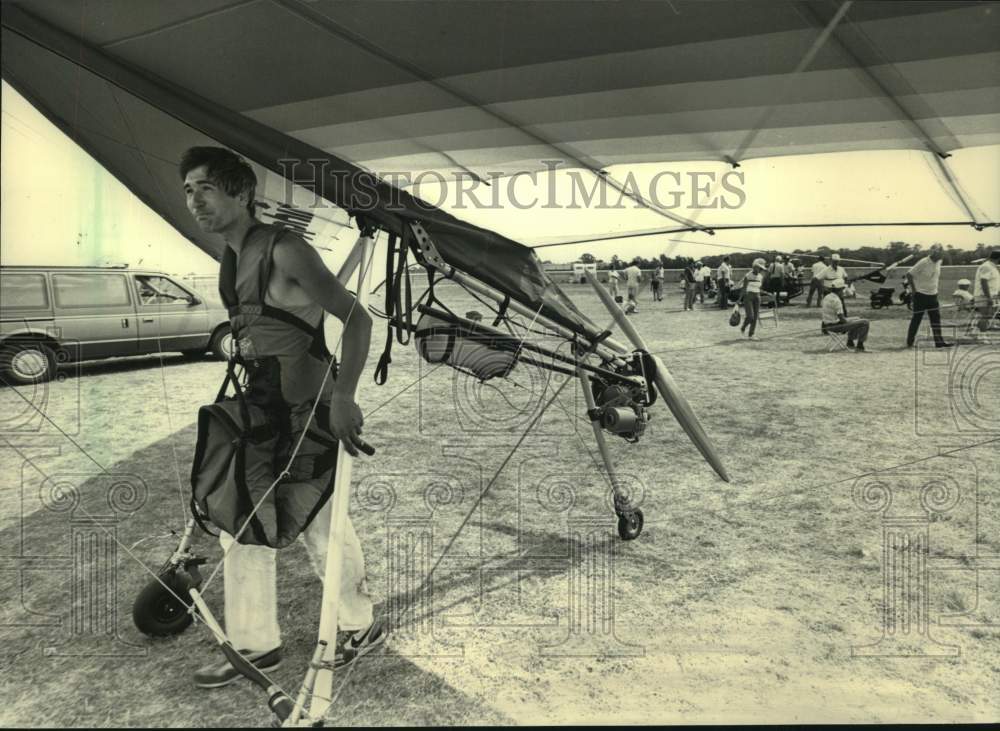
[(340, 502), (608, 350)]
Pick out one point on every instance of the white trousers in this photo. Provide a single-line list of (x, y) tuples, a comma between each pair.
[(251, 585)]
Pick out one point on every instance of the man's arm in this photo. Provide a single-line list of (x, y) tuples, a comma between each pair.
[(302, 264)]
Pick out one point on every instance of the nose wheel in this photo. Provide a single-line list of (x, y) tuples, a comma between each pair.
[(630, 524), (161, 608)]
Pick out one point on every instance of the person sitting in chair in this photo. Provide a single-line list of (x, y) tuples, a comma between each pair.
[(834, 320), (962, 296)]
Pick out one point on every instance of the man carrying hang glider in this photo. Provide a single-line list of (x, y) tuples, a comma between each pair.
[(277, 290)]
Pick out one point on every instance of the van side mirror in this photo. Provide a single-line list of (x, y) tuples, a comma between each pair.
[(192, 301)]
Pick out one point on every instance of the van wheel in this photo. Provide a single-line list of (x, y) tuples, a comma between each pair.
[(27, 362), (222, 343)]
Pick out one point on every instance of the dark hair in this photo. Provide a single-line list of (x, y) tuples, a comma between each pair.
[(226, 168)]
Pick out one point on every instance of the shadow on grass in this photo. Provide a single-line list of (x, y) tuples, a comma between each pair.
[(70, 655)]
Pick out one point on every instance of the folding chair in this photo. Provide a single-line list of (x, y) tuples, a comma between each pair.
[(837, 341), (769, 313)]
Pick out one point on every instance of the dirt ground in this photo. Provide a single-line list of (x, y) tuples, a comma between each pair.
[(849, 572)]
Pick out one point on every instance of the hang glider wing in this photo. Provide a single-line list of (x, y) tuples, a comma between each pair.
[(404, 89)]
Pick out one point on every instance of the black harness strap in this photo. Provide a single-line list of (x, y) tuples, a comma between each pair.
[(502, 312), (382, 369)]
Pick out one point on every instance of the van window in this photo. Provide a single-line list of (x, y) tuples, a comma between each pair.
[(90, 290), (154, 290), (23, 292)]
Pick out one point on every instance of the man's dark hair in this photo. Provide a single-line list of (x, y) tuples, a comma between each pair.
[(225, 168), (725, 258)]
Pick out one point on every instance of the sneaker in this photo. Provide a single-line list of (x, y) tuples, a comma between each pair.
[(221, 674), (850, 345), (360, 643), (860, 349), (755, 338), (944, 345)]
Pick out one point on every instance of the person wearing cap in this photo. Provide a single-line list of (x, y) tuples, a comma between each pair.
[(724, 277), (835, 320), (816, 283), (835, 278), (751, 284), (923, 278), (962, 296), (987, 290)]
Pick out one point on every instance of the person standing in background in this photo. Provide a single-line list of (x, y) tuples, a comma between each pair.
[(724, 278), (613, 278), (656, 284), (705, 275), (752, 283), (987, 284), (690, 289), (633, 275), (816, 283), (923, 278)]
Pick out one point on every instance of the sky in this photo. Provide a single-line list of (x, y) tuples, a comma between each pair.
[(59, 206)]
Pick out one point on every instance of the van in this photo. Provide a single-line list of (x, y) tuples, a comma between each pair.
[(580, 270), (55, 314)]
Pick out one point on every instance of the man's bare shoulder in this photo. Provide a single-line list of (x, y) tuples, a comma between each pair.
[(292, 253)]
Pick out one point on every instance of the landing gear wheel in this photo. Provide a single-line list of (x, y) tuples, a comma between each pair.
[(158, 613), (630, 524)]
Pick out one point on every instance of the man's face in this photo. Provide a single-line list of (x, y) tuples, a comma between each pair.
[(212, 207), (935, 254)]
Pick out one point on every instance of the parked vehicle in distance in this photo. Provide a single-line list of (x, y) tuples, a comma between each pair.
[(55, 314)]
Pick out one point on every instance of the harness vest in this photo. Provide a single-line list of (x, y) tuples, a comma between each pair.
[(245, 441)]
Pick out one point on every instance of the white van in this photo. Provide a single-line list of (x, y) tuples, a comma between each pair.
[(50, 315)]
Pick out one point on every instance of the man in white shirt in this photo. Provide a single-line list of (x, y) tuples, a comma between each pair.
[(816, 283), (987, 284), (923, 278), (613, 279), (724, 278), (699, 283), (633, 275), (834, 320)]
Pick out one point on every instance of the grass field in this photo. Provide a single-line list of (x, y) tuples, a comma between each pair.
[(758, 600)]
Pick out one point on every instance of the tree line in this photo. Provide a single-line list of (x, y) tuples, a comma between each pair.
[(895, 251)]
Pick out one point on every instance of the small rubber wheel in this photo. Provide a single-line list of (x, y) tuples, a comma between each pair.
[(630, 525), (158, 613)]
